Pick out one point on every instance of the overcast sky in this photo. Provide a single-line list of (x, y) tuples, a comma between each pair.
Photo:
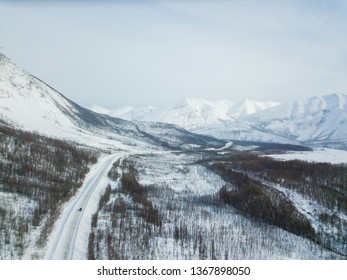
[(139, 53)]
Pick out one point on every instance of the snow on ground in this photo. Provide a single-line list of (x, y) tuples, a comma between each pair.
[(232, 234), (318, 155), (313, 211), (177, 172), (226, 146), (14, 209), (308, 207)]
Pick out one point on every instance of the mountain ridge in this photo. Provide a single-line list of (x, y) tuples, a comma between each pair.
[(190, 113), (30, 104), (316, 121)]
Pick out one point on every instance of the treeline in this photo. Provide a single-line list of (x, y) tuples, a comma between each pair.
[(45, 170), (267, 204), (324, 182), (267, 147)]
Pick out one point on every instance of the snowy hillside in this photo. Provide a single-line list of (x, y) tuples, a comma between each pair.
[(190, 113), (319, 120), (30, 104)]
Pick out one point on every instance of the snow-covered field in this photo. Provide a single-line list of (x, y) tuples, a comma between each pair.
[(195, 225), (317, 155)]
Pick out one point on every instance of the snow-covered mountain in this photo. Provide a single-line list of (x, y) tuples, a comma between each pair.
[(316, 121), (190, 113), (28, 103), (319, 120)]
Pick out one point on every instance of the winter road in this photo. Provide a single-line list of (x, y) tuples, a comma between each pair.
[(69, 239)]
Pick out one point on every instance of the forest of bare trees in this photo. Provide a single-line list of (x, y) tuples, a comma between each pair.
[(155, 221), (257, 187)]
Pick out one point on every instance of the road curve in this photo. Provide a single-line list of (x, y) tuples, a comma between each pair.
[(65, 238)]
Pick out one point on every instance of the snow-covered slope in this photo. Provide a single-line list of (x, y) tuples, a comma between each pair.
[(190, 113), (319, 120), (31, 104), (27, 102)]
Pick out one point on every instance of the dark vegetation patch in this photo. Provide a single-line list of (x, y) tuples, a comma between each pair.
[(264, 146), (251, 178), (138, 219), (139, 195), (258, 201), (46, 170), (324, 183)]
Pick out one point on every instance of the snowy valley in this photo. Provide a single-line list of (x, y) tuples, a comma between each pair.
[(133, 184)]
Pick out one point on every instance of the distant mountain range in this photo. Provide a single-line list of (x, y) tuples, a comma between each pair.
[(28, 103), (315, 121), (190, 113)]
